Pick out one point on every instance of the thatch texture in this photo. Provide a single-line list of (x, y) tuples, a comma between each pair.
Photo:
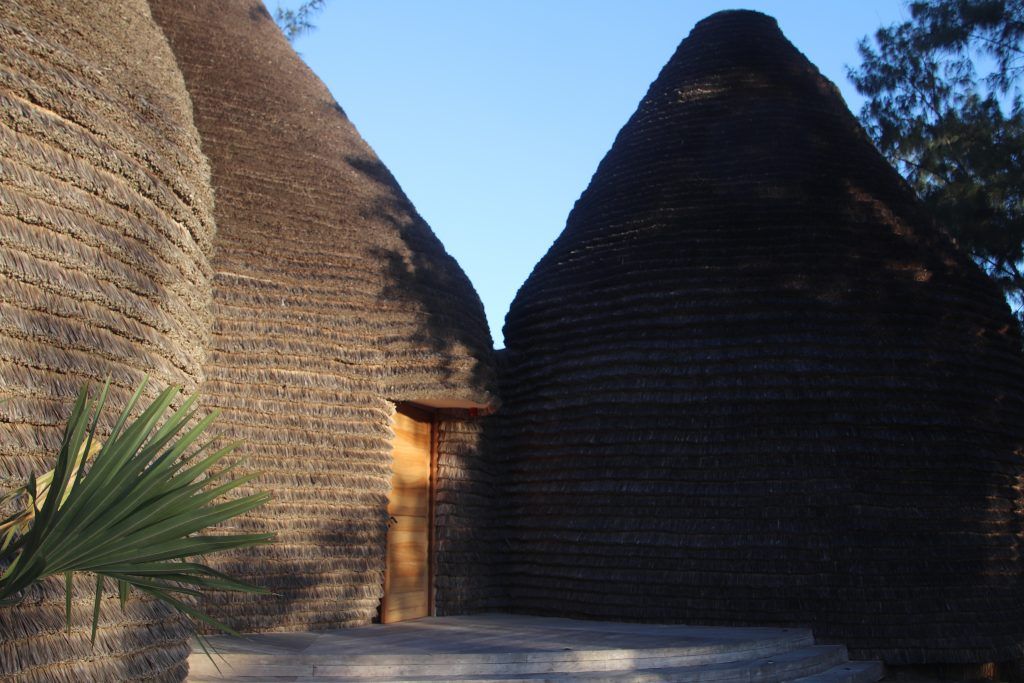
[(332, 298), (464, 504), (105, 227), (751, 384)]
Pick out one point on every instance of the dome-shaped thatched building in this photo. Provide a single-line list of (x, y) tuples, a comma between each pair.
[(332, 302), (105, 227), (750, 383)]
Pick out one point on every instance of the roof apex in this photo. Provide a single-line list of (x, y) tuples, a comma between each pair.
[(735, 20)]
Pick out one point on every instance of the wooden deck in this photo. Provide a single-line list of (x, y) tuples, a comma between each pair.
[(504, 647)]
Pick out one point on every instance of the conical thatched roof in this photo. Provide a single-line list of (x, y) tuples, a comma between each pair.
[(105, 225), (751, 383), (332, 298)]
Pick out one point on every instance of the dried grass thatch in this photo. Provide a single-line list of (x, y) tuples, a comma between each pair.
[(465, 580), (751, 383), (105, 228), (332, 298)]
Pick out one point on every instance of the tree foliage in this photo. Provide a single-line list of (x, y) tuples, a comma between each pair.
[(295, 22), (944, 106)]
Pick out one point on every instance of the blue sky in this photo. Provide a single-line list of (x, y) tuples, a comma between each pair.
[(494, 114)]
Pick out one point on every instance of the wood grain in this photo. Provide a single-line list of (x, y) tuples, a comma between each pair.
[(407, 575)]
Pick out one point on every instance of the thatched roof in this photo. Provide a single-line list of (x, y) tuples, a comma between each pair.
[(752, 383), (332, 298), (105, 227), (308, 207)]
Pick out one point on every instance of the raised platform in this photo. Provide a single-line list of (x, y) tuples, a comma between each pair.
[(506, 647)]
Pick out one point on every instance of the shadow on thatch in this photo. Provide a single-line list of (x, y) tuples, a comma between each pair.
[(337, 587), (466, 570), (446, 336), (871, 479), (458, 356), (258, 12), (752, 383)]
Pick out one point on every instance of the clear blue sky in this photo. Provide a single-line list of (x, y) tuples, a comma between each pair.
[(493, 114)]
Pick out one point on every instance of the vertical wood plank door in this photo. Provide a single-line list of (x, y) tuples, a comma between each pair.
[(407, 573)]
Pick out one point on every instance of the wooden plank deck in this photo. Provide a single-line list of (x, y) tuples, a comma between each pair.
[(493, 647)]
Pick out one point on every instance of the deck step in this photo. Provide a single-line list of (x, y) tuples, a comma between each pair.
[(468, 664), (510, 648), (850, 672), (786, 666)]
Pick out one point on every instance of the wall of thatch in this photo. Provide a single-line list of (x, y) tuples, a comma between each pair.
[(750, 383), (332, 300), (464, 503), (105, 228)]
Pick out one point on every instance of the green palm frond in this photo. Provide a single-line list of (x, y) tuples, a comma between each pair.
[(136, 515)]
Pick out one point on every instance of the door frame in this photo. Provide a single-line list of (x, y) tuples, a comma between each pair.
[(423, 414)]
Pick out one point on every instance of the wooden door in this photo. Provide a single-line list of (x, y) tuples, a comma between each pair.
[(407, 573)]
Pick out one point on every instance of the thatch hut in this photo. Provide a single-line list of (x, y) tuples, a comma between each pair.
[(333, 302), (751, 383), (105, 227)]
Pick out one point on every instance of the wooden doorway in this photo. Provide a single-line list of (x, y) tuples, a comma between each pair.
[(407, 574)]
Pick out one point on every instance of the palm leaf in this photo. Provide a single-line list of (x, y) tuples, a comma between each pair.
[(137, 514)]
